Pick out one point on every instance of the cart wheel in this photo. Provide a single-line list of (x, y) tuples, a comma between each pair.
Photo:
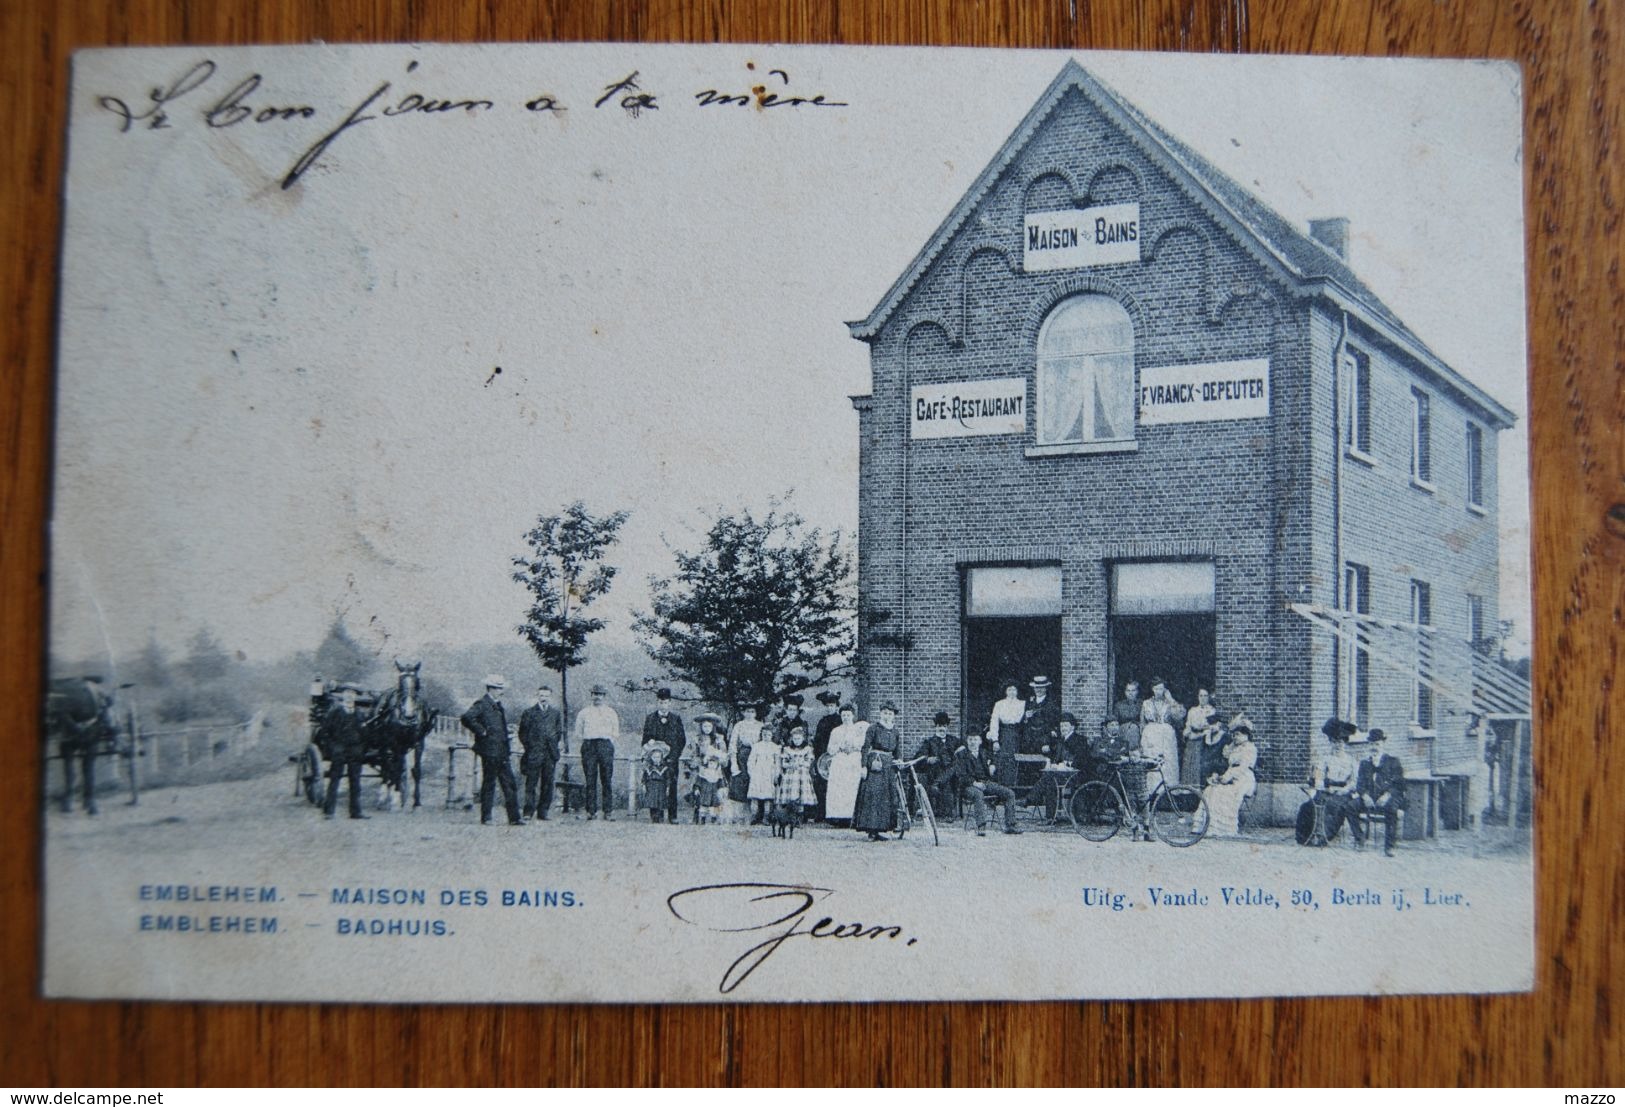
[(1096, 812), (310, 775), (1179, 816)]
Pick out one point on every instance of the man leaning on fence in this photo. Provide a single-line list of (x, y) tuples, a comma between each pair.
[(597, 728), (488, 722)]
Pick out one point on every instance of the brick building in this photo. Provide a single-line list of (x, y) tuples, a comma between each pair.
[(1127, 421)]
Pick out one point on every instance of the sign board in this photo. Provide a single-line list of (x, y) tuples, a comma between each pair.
[(967, 408), (1077, 239), (1205, 393)]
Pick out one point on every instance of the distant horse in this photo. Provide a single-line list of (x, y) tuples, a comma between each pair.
[(79, 715), (399, 724)]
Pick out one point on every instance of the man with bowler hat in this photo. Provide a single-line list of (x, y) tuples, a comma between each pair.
[(665, 725), (487, 721), (1382, 787), (937, 754), (541, 731)]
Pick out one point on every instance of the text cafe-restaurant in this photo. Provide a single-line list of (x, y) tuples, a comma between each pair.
[(1125, 421)]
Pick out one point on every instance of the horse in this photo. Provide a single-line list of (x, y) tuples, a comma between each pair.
[(79, 715), (399, 723)]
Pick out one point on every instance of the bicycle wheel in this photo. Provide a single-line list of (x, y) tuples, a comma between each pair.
[(1096, 811), (1179, 816), (927, 814), (900, 799)]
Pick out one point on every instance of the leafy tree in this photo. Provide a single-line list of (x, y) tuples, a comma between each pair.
[(563, 569), (766, 607), (341, 657), (206, 659)]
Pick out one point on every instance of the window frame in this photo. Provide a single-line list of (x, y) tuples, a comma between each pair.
[(1356, 393), (1421, 438), (1354, 664), (1475, 467), (1422, 707), (1041, 446)]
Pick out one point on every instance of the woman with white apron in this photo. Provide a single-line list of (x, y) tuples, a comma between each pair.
[(845, 766)]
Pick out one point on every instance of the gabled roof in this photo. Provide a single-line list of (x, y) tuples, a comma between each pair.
[(1306, 264)]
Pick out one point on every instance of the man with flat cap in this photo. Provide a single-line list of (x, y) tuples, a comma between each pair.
[(820, 746), (597, 730), (665, 725), (487, 721)]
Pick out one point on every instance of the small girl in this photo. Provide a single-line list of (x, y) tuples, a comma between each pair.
[(657, 770), (711, 756), (795, 791), (764, 775)]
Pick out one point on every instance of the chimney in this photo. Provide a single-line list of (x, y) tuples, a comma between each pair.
[(1332, 234)]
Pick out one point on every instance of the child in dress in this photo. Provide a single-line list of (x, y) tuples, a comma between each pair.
[(711, 756), (763, 767), (657, 770), (795, 792)]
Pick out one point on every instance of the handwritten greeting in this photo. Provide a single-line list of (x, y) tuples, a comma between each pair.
[(244, 102)]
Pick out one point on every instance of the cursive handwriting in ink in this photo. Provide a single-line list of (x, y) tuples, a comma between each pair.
[(410, 104), (635, 100), (749, 908), (155, 116), (765, 99), (230, 110)]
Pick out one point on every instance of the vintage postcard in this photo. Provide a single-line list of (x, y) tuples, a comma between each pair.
[(695, 523)]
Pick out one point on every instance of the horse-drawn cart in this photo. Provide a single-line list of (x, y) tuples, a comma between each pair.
[(394, 723), (84, 722)]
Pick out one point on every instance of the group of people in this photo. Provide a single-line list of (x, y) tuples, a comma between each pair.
[(1357, 781)]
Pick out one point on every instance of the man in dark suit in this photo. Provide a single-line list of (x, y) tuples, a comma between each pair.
[(541, 730), (1043, 720), (665, 725), (972, 775), (1382, 787), (487, 721), (820, 745), (938, 752), (341, 737)]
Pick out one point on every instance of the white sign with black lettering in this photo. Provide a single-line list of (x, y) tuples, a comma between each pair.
[(967, 408), (1205, 393), (1077, 239)]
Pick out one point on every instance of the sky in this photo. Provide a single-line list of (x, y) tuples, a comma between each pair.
[(280, 403)]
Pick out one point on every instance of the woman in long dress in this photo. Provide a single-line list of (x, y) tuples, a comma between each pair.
[(1158, 742), (1202, 735), (845, 766), (1004, 730), (876, 809), (1228, 789)]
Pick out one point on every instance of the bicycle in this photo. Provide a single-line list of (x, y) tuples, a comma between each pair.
[(1176, 814), (905, 820)]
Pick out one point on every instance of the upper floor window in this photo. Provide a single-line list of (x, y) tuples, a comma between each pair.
[(1086, 373), (1357, 401), (1475, 465), (1421, 437)]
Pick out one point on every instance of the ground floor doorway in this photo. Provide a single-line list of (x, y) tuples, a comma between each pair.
[(1010, 649), (1182, 649)]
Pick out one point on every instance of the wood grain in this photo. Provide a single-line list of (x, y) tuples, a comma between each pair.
[(1564, 1034)]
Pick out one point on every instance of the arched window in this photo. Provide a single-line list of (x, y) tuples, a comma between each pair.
[(1086, 372)]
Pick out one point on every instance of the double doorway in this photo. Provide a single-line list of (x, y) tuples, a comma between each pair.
[(1161, 622)]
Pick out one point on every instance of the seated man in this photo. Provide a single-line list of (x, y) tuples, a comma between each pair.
[(1066, 751), (1382, 787), (973, 777)]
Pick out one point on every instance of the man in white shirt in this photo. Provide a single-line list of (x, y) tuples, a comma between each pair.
[(597, 728)]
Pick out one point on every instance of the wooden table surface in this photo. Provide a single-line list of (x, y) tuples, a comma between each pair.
[(1564, 1034)]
